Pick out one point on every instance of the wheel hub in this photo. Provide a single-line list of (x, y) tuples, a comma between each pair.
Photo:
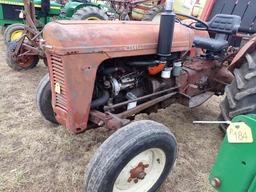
[(138, 172), (19, 59), (141, 172)]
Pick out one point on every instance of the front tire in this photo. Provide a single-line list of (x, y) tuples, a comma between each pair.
[(13, 32), (137, 157), (241, 93), (44, 99), (89, 13), (3, 28)]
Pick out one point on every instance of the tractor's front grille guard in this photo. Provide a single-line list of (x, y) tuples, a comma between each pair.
[(59, 83)]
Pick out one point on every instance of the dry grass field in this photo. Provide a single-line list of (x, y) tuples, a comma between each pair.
[(37, 156)]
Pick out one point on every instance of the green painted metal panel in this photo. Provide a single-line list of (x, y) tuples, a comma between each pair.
[(235, 164), (72, 6), (1, 12), (252, 187), (55, 10)]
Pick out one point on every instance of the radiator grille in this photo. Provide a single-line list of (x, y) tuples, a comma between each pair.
[(58, 78)]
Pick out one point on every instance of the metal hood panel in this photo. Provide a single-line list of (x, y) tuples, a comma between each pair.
[(111, 37)]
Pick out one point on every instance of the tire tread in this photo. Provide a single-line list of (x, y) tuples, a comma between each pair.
[(149, 16), (89, 10), (115, 146), (47, 113), (241, 93)]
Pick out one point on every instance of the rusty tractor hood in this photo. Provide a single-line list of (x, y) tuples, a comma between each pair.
[(119, 38)]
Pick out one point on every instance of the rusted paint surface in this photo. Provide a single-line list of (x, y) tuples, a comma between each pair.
[(115, 121), (79, 77), (27, 47), (81, 46), (200, 75), (251, 44), (120, 38), (207, 10), (138, 172)]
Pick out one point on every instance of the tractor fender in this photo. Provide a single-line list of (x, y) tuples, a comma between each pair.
[(71, 7), (249, 46)]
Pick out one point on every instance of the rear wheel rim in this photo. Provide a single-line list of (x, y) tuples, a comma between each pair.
[(16, 35), (93, 18), (153, 160), (26, 61)]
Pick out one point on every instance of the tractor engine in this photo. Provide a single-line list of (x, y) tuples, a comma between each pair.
[(124, 81)]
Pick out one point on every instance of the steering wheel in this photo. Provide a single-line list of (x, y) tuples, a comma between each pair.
[(197, 25)]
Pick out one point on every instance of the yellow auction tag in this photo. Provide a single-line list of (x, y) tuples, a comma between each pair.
[(57, 88), (239, 132)]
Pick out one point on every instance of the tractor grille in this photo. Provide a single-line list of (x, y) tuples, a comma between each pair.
[(58, 78)]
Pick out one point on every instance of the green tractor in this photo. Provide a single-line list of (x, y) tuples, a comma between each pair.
[(23, 40), (12, 17)]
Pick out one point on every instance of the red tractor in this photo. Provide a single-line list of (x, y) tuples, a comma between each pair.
[(102, 73)]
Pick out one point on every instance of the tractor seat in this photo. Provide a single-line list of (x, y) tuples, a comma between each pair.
[(213, 45), (222, 25)]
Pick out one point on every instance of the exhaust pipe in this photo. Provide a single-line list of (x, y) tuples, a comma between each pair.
[(166, 30)]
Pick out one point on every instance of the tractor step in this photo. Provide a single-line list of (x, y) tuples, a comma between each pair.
[(200, 99)]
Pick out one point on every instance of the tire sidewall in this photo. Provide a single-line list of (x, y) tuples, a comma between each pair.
[(89, 11), (3, 28), (13, 64), (10, 29), (44, 100)]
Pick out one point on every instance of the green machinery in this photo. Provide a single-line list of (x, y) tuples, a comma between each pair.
[(235, 166), (10, 10), (23, 40)]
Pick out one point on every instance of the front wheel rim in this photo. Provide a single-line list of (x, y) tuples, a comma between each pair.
[(148, 166), (16, 35)]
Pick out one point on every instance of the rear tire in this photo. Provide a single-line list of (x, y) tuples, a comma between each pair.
[(28, 62), (241, 93), (154, 14), (89, 13), (9, 33), (3, 28), (44, 99), (142, 143)]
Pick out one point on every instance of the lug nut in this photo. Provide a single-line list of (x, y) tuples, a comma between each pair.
[(142, 175)]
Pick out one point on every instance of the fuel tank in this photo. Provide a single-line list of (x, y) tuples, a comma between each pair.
[(75, 49)]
